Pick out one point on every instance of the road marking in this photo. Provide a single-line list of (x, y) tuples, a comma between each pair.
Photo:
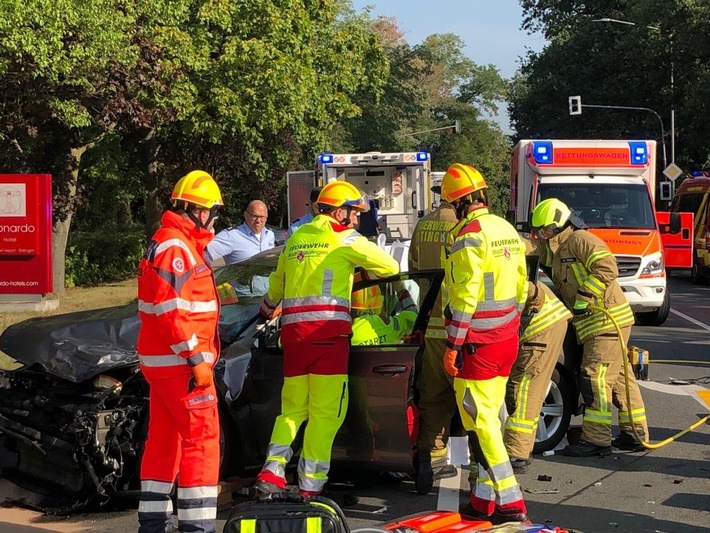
[(449, 490), (690, 319)]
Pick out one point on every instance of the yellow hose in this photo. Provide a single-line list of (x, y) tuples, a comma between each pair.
[(646, 444)]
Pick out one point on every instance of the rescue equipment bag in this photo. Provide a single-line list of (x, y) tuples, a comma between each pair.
[(287, 512)]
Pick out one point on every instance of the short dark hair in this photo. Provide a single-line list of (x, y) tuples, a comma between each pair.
[(315, 192)]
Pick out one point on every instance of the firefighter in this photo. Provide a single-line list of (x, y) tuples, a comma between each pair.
[(313, 281), (436, 400), (585, 272), (177, 349), (372, 326), (540, 346), (487, 287)]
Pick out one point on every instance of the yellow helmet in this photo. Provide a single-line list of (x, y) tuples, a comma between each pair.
[(461, 180), (369, 299), (197, 188), (342, 194), (550, 213)]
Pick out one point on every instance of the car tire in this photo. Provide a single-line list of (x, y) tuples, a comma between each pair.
[(697, 273), (657, 317), (556, 412)]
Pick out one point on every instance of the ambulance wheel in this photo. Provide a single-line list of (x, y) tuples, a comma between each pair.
[(657, 317), (556, 411)]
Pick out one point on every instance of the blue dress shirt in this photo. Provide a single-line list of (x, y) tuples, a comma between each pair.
[(238, 243)]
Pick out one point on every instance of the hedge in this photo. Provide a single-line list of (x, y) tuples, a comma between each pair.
[(104, 256)]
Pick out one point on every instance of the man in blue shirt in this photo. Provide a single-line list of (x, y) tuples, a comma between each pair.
[(243, 241), (312, 212)]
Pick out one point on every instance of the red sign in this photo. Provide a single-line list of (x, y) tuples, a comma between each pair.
[(592, 157), (25, 233)]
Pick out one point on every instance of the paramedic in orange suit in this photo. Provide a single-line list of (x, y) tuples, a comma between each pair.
[(177, 349)]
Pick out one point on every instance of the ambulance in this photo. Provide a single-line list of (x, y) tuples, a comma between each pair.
[(399, 184), (611, 185)]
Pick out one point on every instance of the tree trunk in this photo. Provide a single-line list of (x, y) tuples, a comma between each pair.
[(60, 231), (153, 202)]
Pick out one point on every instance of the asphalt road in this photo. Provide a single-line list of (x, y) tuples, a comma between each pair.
[(661, 491)]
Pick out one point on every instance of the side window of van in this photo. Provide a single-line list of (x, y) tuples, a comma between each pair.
[(687, 203)]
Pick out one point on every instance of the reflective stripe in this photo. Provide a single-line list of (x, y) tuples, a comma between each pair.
[(192, 493), (162, 360), (465, 242), (313, 524), (594, 257), (155, 506), (597, 417), (178, 243), (496, 305), (638, 415), (579, 273), (552, 312), (602, 398), (197, 513), (158, 487), (490, 323), (321, 300), (247, 525), (327, 287), (595, 286), (185, 346), (177, 303), (599, 322), (489, 286), (520, 425), (311, 316), (277, 457)]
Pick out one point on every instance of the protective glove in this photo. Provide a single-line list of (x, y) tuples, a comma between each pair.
[(581, 308), (202, 373), (451, 362)]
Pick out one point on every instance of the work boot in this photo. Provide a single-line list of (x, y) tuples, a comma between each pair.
[(445, 472), (309, 493), (627, 442), (264, 488), (467, 511), (423, 473), (520, 466), (586, 449), (503, 517)]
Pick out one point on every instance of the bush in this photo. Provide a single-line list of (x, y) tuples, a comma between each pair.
[(105, 256)]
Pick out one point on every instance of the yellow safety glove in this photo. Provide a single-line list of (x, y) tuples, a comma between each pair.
[(202, 373), (450, 362)]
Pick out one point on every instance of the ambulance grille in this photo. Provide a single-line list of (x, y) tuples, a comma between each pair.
[(628, 265)]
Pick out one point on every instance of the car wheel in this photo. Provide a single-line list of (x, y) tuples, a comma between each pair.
[(556, 412), (657, 317), (697, 274)]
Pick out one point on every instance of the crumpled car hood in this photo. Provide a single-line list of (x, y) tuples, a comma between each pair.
[(76, 346)]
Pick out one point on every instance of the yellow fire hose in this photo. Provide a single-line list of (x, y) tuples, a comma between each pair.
[(646, 444)]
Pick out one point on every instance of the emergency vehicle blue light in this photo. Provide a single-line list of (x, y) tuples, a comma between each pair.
[(639, 152), (696, 173), (422, 156), (542, 152), (325, 158)]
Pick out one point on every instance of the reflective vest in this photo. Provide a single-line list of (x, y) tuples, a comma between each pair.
[(583, 267), (314, 279), (372, 329), (177, 300), (487, 280), (549, 312), (427, 250)]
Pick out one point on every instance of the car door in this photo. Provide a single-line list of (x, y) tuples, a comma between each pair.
[(378, 426)]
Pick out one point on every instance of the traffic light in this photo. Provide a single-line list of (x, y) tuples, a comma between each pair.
[(457, 126), (575, 105)]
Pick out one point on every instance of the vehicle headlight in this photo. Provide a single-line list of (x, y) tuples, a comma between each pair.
[(654, 264)]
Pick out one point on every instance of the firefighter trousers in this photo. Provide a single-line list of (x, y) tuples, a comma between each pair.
[(436, 398), (315, 390), (603, 384), (183, 443), (480, 394), (527, 387)]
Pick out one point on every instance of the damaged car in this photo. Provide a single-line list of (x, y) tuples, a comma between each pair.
[(73, 416)]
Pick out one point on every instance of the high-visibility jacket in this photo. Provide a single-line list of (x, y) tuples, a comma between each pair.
[(487, 280), (583, 268), (547, 310), (372, 329), (177, 300), (428, 248), (314, 279)]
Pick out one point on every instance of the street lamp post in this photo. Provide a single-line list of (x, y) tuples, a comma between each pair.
[(655, 28)]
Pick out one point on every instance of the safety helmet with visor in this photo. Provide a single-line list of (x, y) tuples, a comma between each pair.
[(369, 300), (342, 194), (195, 192), (461, 185), (549, 218)]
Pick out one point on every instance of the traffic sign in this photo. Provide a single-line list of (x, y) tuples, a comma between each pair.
[(672, 172)]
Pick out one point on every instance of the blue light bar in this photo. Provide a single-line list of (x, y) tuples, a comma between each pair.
[(325, 158), (696, 173), (542, 152), (639, 152), (422, 156)]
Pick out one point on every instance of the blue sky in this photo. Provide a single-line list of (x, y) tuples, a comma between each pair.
[(489, 28)]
